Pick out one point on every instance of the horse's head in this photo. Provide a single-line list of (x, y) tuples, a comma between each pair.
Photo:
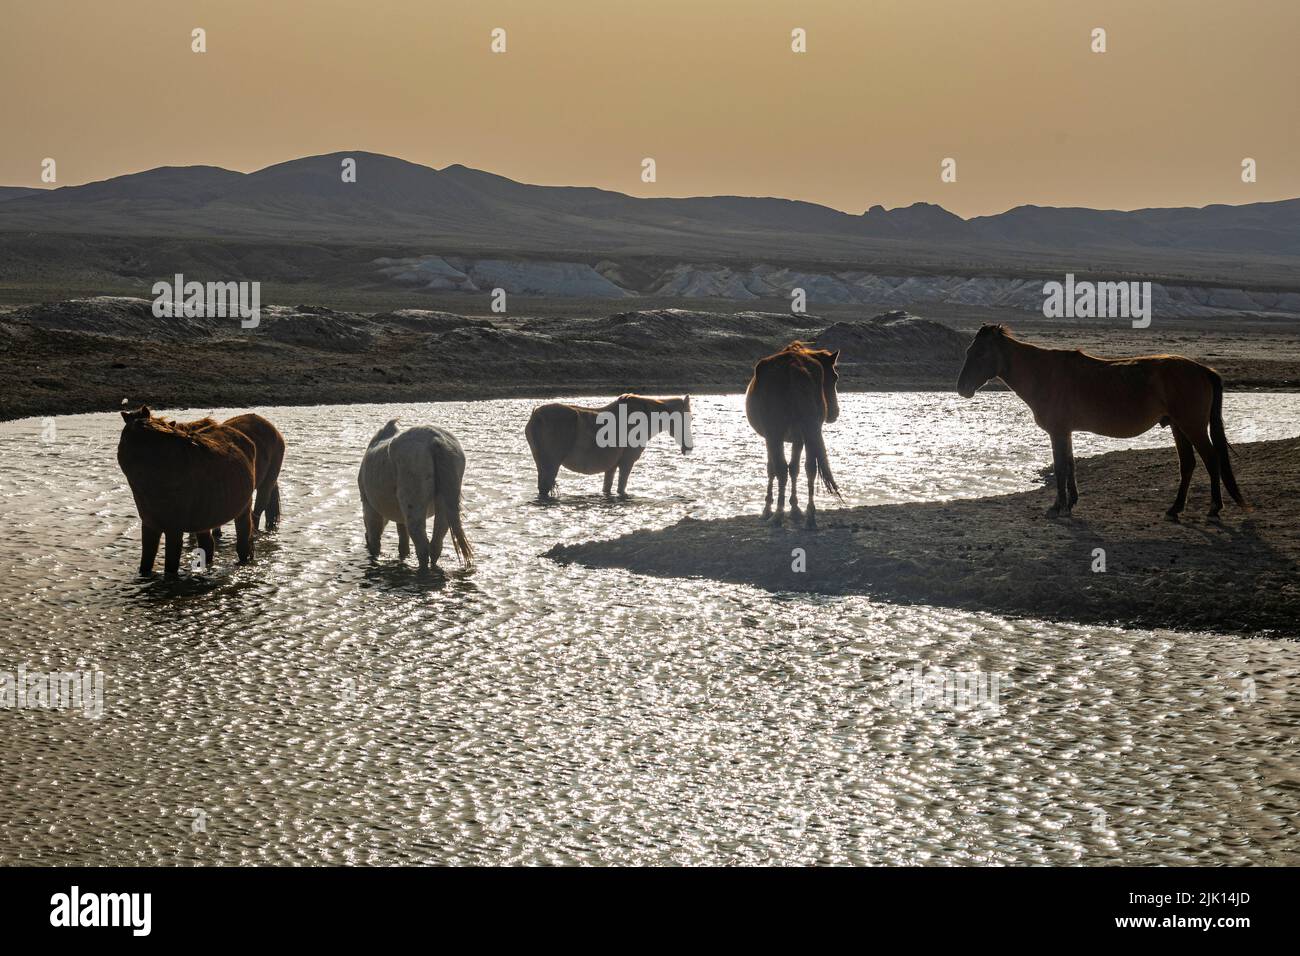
[(686, 436), (137, 418), (983, 360), (830, 376), (679, 425)]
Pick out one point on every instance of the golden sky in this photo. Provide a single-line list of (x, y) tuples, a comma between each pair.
[(709, 88)]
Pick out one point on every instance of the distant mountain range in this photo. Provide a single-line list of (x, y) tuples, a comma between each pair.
[(394, 200)]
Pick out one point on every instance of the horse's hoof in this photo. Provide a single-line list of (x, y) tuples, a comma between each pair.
[(810, 524), (1172, 515), (1213, 514), (1053, 512), (796, 514)]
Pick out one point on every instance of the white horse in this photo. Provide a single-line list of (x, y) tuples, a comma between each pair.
[(407, 478)]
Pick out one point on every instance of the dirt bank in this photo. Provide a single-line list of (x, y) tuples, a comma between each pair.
[(1001, 554), (90, 354)]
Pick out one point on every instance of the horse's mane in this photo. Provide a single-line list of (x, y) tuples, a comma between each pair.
[(807, 348), (205, 432)]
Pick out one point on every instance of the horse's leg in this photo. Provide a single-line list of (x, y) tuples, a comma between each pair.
[(796, 448), (375, 524), (810, 468), (1186, 465), (172, 554), (624, 469), (415, 518), (1061, 454), (209, 547), (273, 509), (403, 542), (609, 483), (776, 468), (244, 535), (1071, 486), (149, 538), (440, 527), (1210, 455), (260, 502)]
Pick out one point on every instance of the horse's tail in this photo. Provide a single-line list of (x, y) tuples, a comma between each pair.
[(385, 433), (811, 429), (447, 491), (809, 412), (1219, 438)]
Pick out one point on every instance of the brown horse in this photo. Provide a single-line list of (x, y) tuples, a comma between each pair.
[(270, 456), (608, 439), (1069, 390), (790, 397), (187, 477)]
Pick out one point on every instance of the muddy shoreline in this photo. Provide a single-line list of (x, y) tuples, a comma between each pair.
[(98, 354), (1001, 554)]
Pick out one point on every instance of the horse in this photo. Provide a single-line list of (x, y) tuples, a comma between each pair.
[(1069, 390), (791, 395), (407, 478), (187, 477), (606, 439), (270, 456)]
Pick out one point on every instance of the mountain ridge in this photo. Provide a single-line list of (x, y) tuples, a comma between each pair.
[(393, 198)]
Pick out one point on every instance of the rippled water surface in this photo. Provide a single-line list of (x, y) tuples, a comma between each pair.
[(314, 707)]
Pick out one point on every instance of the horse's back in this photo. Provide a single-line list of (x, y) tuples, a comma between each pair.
[(191, 485), (1124, 397), (553, 428), (783, 387), (410, 466), (267, 440)]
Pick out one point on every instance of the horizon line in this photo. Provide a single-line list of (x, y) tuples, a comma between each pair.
[(364, 152)]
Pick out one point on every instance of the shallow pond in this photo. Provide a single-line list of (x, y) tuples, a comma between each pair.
[(315, 707)]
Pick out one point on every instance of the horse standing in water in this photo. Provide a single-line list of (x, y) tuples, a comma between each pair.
[(1069, 390), (408, 478), (270, 457), (187, 477), (790, 397), (595, 440)]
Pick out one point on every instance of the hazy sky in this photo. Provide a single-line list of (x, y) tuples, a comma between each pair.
[(709, 88)]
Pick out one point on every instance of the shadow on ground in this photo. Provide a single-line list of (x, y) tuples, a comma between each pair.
[(1002, 554)]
